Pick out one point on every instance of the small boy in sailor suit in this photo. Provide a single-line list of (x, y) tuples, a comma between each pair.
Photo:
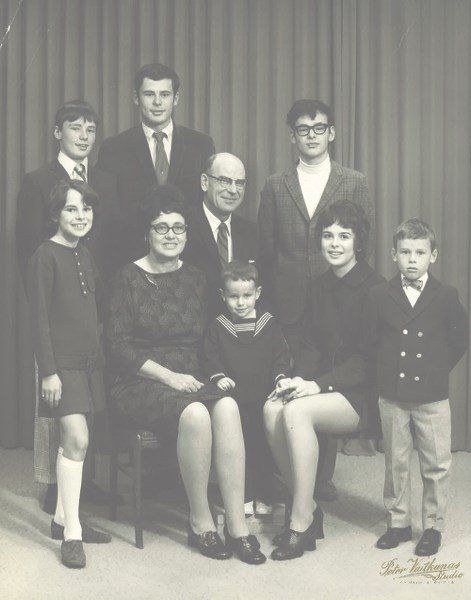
[(247, 354), (417, 332)]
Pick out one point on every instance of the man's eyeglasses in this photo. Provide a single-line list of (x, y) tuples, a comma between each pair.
[(226, 182), (318, 129), (163, 228)]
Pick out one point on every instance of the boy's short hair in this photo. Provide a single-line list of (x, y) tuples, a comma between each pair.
[(156, 72), (415, 229), (300, 108), (73, 110), (239, 270), (58, 198), (349, 215), (162, 199)]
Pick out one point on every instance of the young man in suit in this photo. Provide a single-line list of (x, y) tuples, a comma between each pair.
[(156, 151), (290, 204), (216, 235), (418, 331), (75, 129)]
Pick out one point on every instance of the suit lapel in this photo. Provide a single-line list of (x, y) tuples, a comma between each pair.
[(335, 178), (207, 239), (176, 157), (426, 297), (397, 293), (58, 170), (294, 189)]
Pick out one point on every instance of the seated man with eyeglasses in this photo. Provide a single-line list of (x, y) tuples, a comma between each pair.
[(217, 236), (291, 202)]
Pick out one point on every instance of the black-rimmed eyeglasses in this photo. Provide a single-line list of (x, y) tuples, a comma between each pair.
[(317, 128), (226, 182), (163, 228)]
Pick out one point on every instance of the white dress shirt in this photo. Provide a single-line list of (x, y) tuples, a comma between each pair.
[(214, 223), (167, 141), (411, 293), (69, 165)]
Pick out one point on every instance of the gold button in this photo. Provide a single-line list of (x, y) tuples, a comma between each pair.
[(402, 375)]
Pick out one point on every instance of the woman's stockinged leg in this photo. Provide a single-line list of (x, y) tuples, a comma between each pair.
[(194, 458), (330, 413), (229, 461), (72, 451), (275, 433)]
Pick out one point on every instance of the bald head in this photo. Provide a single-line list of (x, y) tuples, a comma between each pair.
[(223, 184)]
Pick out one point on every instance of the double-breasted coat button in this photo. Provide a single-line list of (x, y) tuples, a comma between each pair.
[(419, 355), (403, 353), (419, 334), (405, 331), (416, 378), (402, 375)]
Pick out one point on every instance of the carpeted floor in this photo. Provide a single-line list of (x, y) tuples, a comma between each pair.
[(345, 566)]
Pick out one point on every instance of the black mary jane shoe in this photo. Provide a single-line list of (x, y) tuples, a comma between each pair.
[(208, 543), (246, 547), (317, 526)]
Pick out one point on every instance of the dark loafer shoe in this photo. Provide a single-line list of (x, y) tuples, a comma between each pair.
[(72, 554), (89, 535), (246, 547), (393, 537), (429, 543), (317, 528), (208, 543), (294, 544)]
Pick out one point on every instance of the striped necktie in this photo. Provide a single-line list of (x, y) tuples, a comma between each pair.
[(223, 243), (161, 161), (80, 170)]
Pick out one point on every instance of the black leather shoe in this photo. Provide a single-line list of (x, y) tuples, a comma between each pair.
[(246, 547), (317, 526), (72, 554), (89, 535), (50, 499), (429, 543), (208, 543), (294, 544), (393, 537)]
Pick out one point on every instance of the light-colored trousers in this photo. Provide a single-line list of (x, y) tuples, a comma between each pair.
[(432, 436)]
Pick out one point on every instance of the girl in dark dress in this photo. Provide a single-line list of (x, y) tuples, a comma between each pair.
[(61, 288), (333, 391), (156, 323)]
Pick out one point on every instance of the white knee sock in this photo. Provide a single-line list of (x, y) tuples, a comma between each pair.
[(69, 481)]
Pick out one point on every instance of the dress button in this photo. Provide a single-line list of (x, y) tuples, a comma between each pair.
[(84, 292), (330, 388), (405, 331), (416, 378), (78, 262), (419, 334), (402, 375), (403, 353), (419, 355)]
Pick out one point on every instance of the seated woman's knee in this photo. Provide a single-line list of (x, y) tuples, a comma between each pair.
[(271, 411), (194, 417)]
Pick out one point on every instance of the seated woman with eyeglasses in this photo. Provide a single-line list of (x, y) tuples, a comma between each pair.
[(156, 322)]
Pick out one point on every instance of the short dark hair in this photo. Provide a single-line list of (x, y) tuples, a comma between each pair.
[(58, 199), (415, 229), (73, 110), (162, 199), (239, 270), (156, 72), (312, 108), (349, 215)]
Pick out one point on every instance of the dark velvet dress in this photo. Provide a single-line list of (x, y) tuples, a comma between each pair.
[(159, 317)]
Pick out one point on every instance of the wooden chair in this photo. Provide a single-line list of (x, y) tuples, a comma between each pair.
[(135, 441)]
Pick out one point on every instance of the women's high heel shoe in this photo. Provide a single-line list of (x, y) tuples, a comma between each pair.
[(246, 547), (318, 519), (295, 543), (208, 543)]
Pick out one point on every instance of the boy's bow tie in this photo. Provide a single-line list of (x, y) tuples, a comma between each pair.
[(413, 283)]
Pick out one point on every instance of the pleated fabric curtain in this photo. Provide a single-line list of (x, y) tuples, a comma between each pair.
[(396, 73)]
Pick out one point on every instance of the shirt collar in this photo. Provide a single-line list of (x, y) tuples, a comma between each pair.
[(354, 278), (149, 132), (214, 222), (69, 164)]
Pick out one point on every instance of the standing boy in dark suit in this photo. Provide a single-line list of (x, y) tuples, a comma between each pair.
[(156, 151), (208, 246), (291, 202), (75, 127), (418, 331)]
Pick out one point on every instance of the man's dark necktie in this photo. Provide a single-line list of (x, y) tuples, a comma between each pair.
[(80, 170), (416, 284), (161, 161), (223, 243)]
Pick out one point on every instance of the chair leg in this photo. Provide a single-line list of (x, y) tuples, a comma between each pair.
[(113, 482), (137, 483)]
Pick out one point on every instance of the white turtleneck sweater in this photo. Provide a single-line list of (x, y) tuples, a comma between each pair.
[(313, 179)]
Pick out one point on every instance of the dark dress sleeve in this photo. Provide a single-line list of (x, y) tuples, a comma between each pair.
[(212, 364), (283, 360)]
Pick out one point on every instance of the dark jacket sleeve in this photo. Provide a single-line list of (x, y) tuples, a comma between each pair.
[(29, 222), (283, 360)]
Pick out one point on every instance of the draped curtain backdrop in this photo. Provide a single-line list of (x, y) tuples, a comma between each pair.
[(396, 72)]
